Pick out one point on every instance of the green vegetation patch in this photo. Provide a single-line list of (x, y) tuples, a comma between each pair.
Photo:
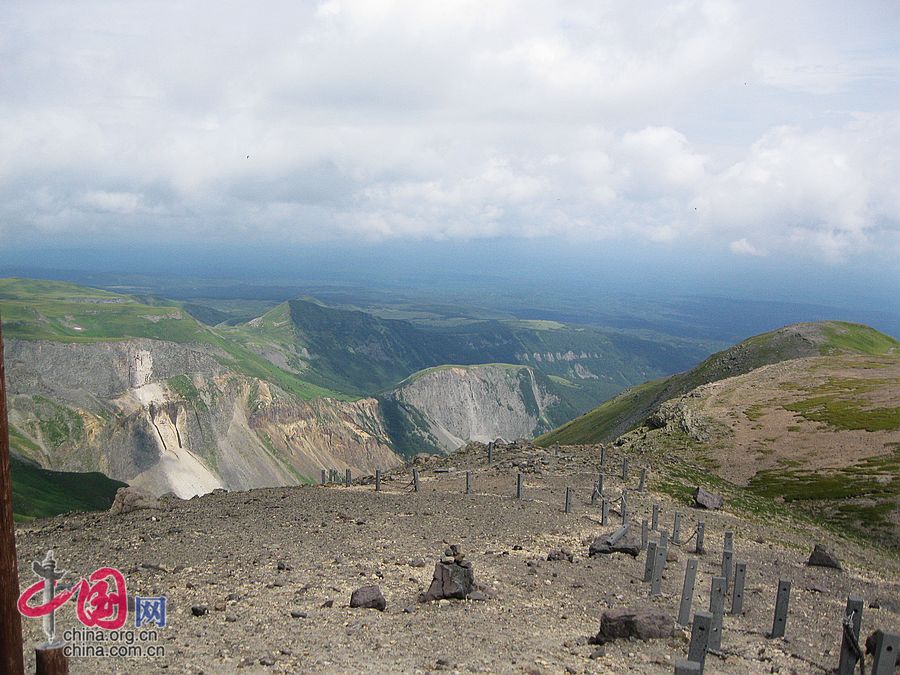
[(58, 423), (755, 411), (40, 493), (597, 424), (858, 499), (184, 387), (854, 337), (840, 403)]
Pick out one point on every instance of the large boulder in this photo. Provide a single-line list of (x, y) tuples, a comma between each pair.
[(707, 500), (821, 557), (642, 624), (625, 539), (369, 597), (132, 498)]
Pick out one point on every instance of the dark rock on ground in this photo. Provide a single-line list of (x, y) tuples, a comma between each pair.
[(643, 624), (821, 557), (131, 498), (453, 578), (369, 597), (707, 500), (560, 554), (199, 610), (617, 541)]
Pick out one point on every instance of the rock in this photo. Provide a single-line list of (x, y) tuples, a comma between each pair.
[(707, 500), (231, 618), (131, 498), (598, 653), (417, 562), (454, 580), (560, 554), (267, 661), (671, 555), (617, 542), (369, 597), (199, 610), (328, 603), (219, 607), (298, 614), (643, 624), (821, 557)]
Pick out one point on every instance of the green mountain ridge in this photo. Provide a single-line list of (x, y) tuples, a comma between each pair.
[(627, 410)]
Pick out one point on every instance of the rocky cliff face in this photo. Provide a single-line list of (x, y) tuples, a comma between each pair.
[(477, 403), (170, 417)]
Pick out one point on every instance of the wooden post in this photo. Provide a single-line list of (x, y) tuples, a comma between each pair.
[(887, 646), (717, 609), (654, 518), (727, 556), (643, 482), (659, 564), (600, 484), (782, 600), (520, 485), (701, 530), (645, 534), (324, 477), (848, 660), (567, 508), (683, 667), (468, 482), (11, 657), (700, 638), (737, 593), (624, 468), (602, 456), (348, 478), (490, 452), (687, 592), (377, 480), (676, 529), (624, 508), (650, 561), (604, 512), (416, 480), (50, 659)]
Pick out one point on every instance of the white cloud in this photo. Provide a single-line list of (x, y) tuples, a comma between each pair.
[(744, 247), (754, 126)]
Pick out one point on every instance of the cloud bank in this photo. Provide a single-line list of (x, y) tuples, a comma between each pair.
[(752, 126)]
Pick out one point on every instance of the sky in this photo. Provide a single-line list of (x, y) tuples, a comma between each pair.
[(732, 135)]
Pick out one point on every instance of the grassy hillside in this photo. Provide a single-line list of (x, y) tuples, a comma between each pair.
[(38, 493), (821, 434), (629, 409), (52, 310)]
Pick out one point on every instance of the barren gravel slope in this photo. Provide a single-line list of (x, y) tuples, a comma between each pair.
[(336, 539)]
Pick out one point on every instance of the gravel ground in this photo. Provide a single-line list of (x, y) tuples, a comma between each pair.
[(224, 551)]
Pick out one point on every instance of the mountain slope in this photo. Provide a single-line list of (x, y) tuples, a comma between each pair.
[(145, 394), (38, 493), (821, 434), (447, 406), (630, 408)]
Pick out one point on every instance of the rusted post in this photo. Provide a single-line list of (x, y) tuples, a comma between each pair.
[(11, 659), (377, 480), (416, 480), (50, 659)]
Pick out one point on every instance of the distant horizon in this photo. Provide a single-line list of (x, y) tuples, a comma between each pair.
[(508, 278)]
